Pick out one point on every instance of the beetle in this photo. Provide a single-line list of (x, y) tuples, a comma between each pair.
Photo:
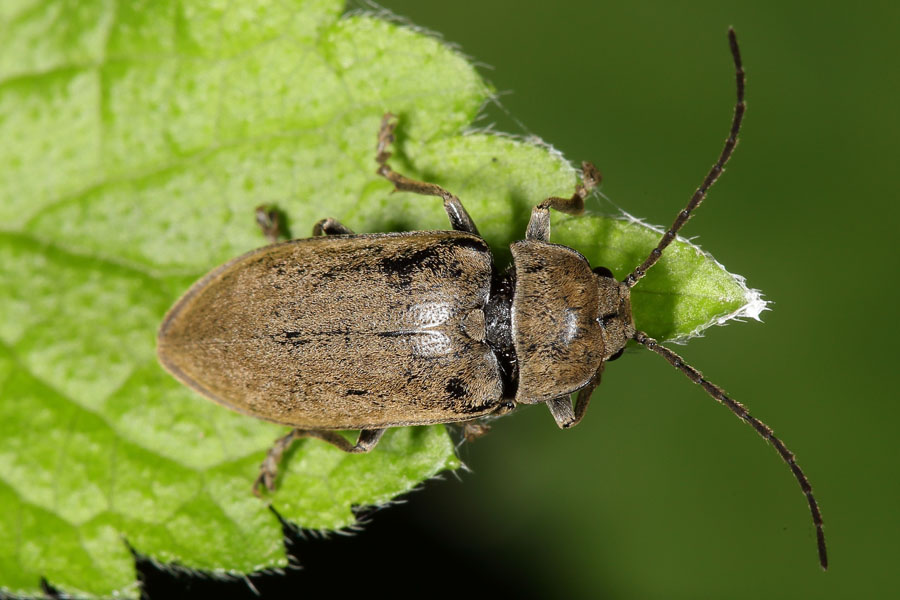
[(367, 332)]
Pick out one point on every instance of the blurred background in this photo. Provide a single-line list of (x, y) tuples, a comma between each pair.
[(660, 492)]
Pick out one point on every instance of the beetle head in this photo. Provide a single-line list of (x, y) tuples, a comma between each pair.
[(614, 316)]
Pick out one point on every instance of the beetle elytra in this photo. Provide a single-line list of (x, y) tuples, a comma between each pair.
[(366, 332)]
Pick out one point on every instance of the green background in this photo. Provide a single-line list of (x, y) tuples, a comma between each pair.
[(661, 493)]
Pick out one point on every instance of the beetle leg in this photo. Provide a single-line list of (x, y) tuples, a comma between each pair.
[(268, 470), (456, 212), (584, 397), (330, 226), (561, 408), (539, 224), (472, 430), (269, 220)]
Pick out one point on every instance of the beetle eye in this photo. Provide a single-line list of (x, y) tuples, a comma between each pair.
[(616, 355), (603, 272)]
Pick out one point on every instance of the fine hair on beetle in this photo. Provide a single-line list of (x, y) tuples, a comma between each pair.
[(345, 331)]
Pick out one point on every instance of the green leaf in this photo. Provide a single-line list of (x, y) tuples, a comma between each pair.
[(138, 138)]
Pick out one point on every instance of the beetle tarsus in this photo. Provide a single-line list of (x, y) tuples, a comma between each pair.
[(539, 224), (385, 138), (269, 467), (269, 220), (472, 430), (268, 470)]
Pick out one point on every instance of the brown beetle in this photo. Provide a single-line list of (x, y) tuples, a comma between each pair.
[(343, 331)]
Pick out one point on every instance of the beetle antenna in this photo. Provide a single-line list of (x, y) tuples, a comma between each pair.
[(761, 428), (711, 176)]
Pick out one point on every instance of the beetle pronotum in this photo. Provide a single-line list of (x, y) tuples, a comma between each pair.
[(345, 332)]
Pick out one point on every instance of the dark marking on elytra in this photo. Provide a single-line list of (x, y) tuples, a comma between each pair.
[(290, 338), (456, 388), (403, 265), (437, 257), (392, 334), (467, 408)]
